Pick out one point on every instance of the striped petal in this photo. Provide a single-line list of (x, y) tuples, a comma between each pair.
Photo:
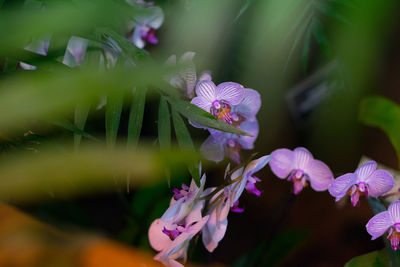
[(320, 175), (250, 104), (231, 92), (302, 158), (339, 187), (379, 183), (365, 170), (282, 162), (394, 211), (206, 90), (379, 224)]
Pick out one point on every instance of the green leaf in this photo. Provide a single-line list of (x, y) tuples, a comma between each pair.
[(136, 116), (384, 114), (164, 131), (276, 251), (331, 12), (185, 142), (377, 258), (242, 10), (376, 205), (113, 116), (80, 117), (73, 128), (319, 35), (196, 114)]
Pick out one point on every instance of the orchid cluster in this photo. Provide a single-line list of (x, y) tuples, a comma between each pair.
[(194, 210)]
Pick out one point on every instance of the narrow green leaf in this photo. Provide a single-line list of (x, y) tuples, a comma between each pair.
[(73, 128), (113, 116), (242, 10), (80, 117), (136, 116), (196, 114), (384, 114), (164, 131), (185, 142)]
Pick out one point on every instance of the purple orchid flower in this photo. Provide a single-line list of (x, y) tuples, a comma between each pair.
[(243, 117), (40, 46), (385, 220), (172, 239), (248, 179), (301, 168), (183, 201), (75, 52), (366, 180), (219, 144), (185, 80), (218, 100), (145, 26)]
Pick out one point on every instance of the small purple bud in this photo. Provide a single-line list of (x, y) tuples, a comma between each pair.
[(235, 207)]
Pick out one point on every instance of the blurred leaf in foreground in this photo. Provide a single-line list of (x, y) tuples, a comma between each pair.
[(377, 259), (57, 173)]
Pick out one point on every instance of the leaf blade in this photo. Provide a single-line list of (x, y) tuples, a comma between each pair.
[(136, 117)]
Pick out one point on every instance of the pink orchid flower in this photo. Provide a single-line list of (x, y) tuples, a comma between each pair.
[(172, 239)]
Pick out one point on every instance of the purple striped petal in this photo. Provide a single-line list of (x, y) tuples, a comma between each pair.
[(394, 211), (379, 183), (379, 224), (339, 187), (231, 92), (302, 158), (282, 162), (202, 103), (320, 175), (250, 104), (213, 149), (365, 170), (206, 90)]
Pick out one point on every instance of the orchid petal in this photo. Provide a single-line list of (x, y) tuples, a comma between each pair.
[(156, 19), (202, 103), (205, 76), (378, 224), (231, 92), (379, 183), (250, 127), (394, 211), (137, 37), (303, 158), (339, 187), (158, 240), (173, 212), (213, 149), (282, 162), (250, 104), (365, 170), (320, 175), (206, 90)]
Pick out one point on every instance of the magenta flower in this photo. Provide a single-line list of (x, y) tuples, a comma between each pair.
[(301, 168), (172, 239), (385, 220), (366, 180), (145, 26), (218, 100)]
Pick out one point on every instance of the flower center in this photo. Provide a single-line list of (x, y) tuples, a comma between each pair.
[(394, 237), (178, 194), (148, 35), (357, 190), (174, 233), (299, 179), (222, 110)]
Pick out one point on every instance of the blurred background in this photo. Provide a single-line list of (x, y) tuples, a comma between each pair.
[(92, 172)]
